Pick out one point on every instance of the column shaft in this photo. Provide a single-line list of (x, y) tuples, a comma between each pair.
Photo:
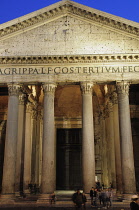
[(88, 156), (48, 162), (107, 126), (128, 170), (38, 140), (8, 183), (117, 144), (20, 141), (104, 154), (40, 150), (34, 141), (112, 146), (28, 148)]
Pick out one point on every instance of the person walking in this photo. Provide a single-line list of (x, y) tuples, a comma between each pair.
[(107, 198), (102, 186), (103, 197), (110, 195), (93, 196), (98, 185)]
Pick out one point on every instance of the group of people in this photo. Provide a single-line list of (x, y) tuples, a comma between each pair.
[(99, 196), (103, 196)]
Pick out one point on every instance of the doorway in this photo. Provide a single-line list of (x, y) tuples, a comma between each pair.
[(69, 161)]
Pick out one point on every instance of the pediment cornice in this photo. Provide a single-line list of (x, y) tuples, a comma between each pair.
[(17, 60), (70, 8)]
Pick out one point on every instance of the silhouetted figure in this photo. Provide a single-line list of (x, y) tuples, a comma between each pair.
[(98, 184), (111, 185), (103, 197), (93, 196), (134, 205), (52, 198), (78, 199), (100, 196), (102, 186)]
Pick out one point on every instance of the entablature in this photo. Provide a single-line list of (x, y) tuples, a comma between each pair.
[(101, 69)]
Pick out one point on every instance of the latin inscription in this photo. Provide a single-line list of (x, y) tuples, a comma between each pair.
[(68, 70)]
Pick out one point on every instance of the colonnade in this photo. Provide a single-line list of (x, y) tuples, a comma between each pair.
[(19, 128)]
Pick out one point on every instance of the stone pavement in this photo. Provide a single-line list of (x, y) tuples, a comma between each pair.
[(60, 205), (63, 202)]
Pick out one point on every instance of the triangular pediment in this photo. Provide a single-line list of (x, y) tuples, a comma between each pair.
[(68, 35), (72, 9)]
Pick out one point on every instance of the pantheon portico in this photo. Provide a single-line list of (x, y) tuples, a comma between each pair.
[(69, 101)]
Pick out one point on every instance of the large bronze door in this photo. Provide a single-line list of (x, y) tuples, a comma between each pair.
[(69, 172)]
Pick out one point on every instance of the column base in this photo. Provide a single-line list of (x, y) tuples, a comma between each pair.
[(44, 199), (7, 199)]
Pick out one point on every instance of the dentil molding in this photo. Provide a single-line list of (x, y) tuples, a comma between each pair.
[(69, 59)]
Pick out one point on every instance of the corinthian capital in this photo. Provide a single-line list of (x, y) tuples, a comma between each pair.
[(86, 87), (14, 89), (123, 87), (49, 87)]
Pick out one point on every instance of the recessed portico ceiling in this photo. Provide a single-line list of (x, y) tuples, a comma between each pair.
[(73, 9)]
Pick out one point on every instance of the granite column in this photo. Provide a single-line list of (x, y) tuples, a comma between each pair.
[(117, 143), (48, 183), (108, 149), (34, 141), (20, 141), (104, 152), (88, 155), (28, 149), (112, 145), (128, 170), (8, 183)]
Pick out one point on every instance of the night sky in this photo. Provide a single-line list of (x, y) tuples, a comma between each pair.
[(11, 9)]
